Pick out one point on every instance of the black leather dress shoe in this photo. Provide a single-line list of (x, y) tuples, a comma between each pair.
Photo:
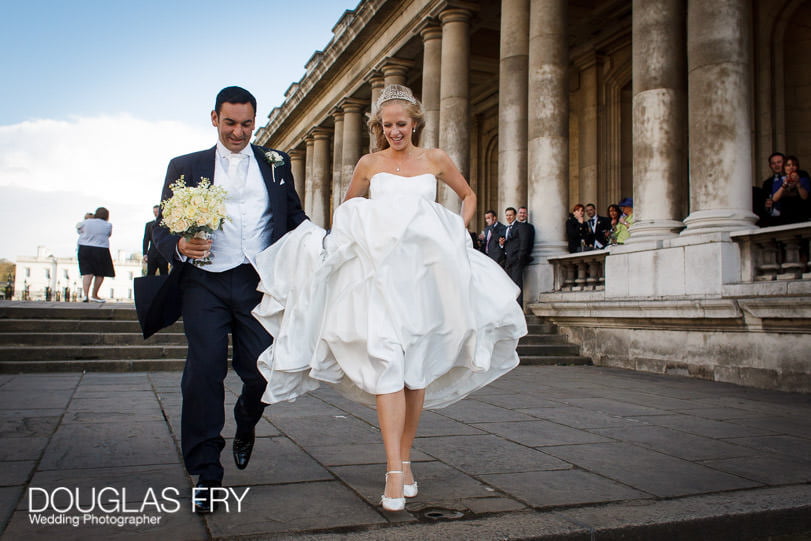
[(243, 446), (201, 496)]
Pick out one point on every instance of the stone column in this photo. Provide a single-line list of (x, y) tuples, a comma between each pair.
[(395, 70), (719, 51), (337, 159), (548, 131), (297, 165), (588, 128), (454, 135), (512, 104), (351, 151), (377, 84), (659, 119), (309, 141), (431, 62), (319, 209)]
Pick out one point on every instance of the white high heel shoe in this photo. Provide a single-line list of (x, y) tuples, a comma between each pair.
[(392, 504), (409, 491)]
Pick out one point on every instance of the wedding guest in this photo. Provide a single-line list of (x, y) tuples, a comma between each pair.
[(95, 262), (762, 203), (419, 322), (577, 231), (614, 214), (626, 220), (489, 239), (518, 242), (216, 299), (790, 193), (599, 226), (152, 257)]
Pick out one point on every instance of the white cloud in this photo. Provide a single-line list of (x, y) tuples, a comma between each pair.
[(52, 172)]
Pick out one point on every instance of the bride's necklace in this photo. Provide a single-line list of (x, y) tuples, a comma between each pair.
[(397, 167)]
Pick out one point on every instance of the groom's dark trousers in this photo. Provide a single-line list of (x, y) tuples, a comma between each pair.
[(215, 304)]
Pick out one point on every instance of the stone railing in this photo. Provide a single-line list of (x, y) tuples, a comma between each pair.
[(582, 271), (775, 253)]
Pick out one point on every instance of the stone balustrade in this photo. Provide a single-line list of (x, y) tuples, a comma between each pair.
[(775, 253), (582, 271)]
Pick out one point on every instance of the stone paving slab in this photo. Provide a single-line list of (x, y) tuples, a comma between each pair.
[(546, 452)]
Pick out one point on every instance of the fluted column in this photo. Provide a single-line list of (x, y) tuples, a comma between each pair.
[(309, 141), (512, 103), (548, 130), (395, 70), (297, 165), (351, 151), (659, 119), (719, 115), (431, 75), (454, 108), (337, 159), (587, 149), (319, 213), (376, 82)]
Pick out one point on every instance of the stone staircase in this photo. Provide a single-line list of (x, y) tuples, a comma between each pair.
[(543, 345), (70, 337)]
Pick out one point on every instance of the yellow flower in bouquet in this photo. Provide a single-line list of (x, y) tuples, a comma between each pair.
[(194, 212)]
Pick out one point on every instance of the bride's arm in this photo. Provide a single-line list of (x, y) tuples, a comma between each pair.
[(450, 175), (359, 184)]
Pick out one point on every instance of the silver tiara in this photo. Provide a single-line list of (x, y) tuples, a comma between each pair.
[(393, 93)]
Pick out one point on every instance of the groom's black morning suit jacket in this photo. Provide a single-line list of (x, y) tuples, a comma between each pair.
[(214, 304)]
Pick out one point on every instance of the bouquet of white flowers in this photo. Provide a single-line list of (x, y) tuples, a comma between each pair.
[(194, 212)]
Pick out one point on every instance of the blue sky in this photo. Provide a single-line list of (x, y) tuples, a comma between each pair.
[(98, 95)]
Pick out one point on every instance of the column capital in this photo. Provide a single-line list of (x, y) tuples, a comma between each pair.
[(309, 139), (337, 114), (319, 133), (454, 14), (429, 29), (391, 65), (352, 105), (375, 79), (296, 154)]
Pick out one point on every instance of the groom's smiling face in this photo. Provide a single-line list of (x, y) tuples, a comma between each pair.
[(234, 123)]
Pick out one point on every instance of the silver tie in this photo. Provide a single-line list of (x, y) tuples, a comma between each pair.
[(235, 171)]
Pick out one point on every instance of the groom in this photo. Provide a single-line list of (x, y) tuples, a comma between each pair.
[(261, 205)]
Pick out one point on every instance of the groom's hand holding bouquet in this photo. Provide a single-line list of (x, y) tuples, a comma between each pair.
[(194, 213)]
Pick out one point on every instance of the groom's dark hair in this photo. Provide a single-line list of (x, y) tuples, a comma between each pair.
[(234, 94)]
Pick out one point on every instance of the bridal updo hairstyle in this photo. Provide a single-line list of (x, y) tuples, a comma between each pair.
[(402, 95)]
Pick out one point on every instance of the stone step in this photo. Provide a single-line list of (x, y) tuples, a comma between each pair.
[(543, 339), (549, 360), (92, 365), (68, 310), (548, 349), (78, 325), (89, 339), (70, 353)]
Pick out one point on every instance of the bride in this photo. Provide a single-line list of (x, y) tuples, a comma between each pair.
[(395, 308)]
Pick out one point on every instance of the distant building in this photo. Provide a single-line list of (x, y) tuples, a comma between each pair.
[(44, 270)]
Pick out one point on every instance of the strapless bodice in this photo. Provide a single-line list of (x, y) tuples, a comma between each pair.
[(388, 184)]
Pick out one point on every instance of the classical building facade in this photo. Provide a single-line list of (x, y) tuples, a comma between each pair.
[(547, 103)]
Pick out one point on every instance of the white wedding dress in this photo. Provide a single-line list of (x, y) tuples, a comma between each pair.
[(394, 296)]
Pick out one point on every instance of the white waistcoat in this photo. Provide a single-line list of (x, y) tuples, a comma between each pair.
[(247, 231)]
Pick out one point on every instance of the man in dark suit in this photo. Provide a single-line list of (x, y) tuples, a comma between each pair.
[(518, 241), (262, 205), (599, 228), (153, 258), (489, 239)]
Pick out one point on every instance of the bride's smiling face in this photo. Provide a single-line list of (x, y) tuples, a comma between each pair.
[(397, 125)]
